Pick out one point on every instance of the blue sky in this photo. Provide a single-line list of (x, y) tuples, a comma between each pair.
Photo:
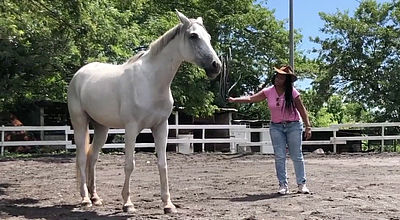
[(306, 17), (308, 22)]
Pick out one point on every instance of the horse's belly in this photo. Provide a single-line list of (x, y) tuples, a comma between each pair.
[(109, 119), (105, 112), (114, 116)]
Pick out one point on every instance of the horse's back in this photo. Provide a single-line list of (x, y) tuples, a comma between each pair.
[(97, 70)]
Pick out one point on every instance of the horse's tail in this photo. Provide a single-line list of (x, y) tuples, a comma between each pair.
[(86, 149)]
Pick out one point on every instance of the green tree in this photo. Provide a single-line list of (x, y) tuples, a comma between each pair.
[(43, 43), (361, 57), (323, 118), (333, 111), (29, 52), (258, 42)]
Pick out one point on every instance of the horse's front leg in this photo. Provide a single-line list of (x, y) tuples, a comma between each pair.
[(130, 138), (160, 134)]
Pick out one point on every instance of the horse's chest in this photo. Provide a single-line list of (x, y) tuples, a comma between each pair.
[(154, 116), (158, 110), (145, 101)]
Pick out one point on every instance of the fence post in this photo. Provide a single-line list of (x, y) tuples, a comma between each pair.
[(203, 136), (66, 128), (383, 138), (334, 141), (176, 130), (2, 140), (247, 136), (267, 147)]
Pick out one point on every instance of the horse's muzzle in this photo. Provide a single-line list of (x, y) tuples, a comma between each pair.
[(214, 69)]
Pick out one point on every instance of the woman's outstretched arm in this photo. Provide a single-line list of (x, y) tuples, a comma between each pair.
[(258, 97)]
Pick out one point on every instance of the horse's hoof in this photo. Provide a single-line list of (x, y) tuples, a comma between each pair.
[(97, 201), (86, 204), (170, 210), (128, 208)]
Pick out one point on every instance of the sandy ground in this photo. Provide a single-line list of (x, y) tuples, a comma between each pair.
[(206, 186)]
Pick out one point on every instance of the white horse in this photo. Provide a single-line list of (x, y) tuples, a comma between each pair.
[(135, 95)]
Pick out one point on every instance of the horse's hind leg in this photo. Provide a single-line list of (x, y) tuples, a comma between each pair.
[(80, 124), (99, 139)]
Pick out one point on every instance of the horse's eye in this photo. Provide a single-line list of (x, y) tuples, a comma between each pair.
[(193, 36)]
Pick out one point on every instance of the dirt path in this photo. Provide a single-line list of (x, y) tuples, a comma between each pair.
[(207, 186)]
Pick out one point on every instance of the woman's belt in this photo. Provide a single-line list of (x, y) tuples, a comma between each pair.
[(285, 122)]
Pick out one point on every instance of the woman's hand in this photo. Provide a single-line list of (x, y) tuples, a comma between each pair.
[(230, 99), (307, 133)]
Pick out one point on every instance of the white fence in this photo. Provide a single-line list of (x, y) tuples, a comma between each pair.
[(186, 139), (239, 136), (42, 129), (382, 137)]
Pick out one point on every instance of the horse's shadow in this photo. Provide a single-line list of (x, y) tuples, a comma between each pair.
[(26, 208), (2, 187), (61, 158)]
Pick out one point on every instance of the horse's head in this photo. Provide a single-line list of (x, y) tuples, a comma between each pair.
[(196, 47)]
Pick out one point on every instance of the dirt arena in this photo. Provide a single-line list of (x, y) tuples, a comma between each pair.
[(206, 186)]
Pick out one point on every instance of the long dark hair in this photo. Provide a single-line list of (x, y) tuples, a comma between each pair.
[(289, 102)]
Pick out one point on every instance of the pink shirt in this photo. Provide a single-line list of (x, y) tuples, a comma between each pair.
[(278, 111)]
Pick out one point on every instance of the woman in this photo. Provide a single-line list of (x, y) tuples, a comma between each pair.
[(286, 129)]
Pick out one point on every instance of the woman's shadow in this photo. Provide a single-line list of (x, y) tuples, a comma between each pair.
[(258, 197)]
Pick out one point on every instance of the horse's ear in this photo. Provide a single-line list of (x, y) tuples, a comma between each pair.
[(200, 20), (183, 18)]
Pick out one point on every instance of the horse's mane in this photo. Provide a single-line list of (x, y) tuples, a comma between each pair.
[(136, 57), (162, 41), (159, 44)]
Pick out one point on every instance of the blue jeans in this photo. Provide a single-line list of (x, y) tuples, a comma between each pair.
[(290, 135)]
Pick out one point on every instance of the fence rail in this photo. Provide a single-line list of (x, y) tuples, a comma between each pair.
[(239, 136), (67, 132), (382, 137)]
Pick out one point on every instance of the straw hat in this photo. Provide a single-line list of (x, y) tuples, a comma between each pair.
[(286, 70)]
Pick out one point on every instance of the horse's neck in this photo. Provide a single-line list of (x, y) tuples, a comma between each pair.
[(163, 66)]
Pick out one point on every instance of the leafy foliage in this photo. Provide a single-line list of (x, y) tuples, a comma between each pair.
[(334, 111), (43, 43), (361, 57), (258, 42)]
